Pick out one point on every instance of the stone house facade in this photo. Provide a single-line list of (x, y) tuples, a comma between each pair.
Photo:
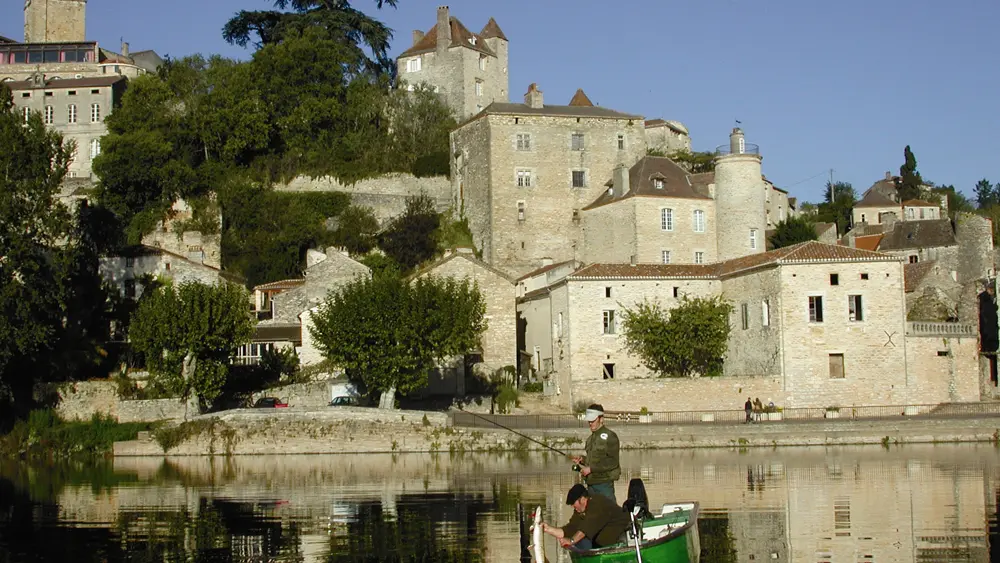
[(126, 269), (813, 325), (667, 136), (468, 70), (74, 107)]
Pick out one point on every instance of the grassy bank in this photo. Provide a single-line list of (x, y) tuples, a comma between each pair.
[(46, 436)]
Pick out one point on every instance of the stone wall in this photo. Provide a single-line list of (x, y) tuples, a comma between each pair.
[(756, 349), (610, 233), (679, 393), (80, 400), (681, 240), (55, 21), (313, 394), (471, 180), (740, 203), (386, 195), (152, 410), (942, 369)]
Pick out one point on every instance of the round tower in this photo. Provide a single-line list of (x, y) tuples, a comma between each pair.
[(740, 199)]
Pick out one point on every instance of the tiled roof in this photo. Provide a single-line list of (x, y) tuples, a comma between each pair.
[(915, 273), (67, 83), (919, 234), (282, 284), (875, 199), (6, 40), (642, 178), (918, 203), (662, 271), (675, 125), (554, 111), (460, 37), (491, 30), (868, 242), (470, 256), (580, 99), (542, 270)]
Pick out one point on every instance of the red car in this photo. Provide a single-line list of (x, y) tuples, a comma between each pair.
[(269, 403)]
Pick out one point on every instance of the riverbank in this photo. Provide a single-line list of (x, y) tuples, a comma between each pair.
[(348, 430)]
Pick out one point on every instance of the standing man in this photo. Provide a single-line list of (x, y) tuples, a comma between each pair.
[(600, 468), (748, 409)]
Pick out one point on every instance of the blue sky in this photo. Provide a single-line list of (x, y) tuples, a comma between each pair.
[(817, 84)]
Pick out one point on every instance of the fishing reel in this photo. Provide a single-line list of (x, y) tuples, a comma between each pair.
[(576, 467)]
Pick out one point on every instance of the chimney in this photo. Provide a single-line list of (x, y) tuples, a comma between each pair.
[(888, 218), (546, 262), (736, 141), (620, 181), (533, 97), (633, 260), (443, 29), (124, 49), (417, 36), (888, 176)]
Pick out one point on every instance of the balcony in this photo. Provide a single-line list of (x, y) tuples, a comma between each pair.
[(953, 330), (748, 148)]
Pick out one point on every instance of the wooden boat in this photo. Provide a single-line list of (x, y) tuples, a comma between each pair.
[(668, 537)]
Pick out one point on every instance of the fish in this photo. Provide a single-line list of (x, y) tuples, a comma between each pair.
[(537, 548)]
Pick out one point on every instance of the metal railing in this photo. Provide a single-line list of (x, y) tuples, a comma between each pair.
[(940, 329), (815, 414), (748, 148)]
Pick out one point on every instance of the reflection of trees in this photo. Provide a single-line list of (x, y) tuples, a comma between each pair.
[(435, 527), (717, 543)]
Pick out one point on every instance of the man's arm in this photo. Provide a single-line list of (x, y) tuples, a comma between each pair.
[(572, 541)]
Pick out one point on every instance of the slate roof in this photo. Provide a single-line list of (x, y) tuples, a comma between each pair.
[(675, 125), (580, 99), (542, 270), (278, 333), (918, 203), (491, 30), (802, 253), (919, 234), (884, 187), (553, 111), (471, 257), (875, 199), (6, 40), (915, 273), (282, 284), (460, 37), (676, 182), (67, 83)]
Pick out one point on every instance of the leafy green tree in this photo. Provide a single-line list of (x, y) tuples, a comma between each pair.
[(357, 230), (987, 195), (956, 200), (411, 238), (792, 230), (685, 341), (839, 200), (909, 181), (421, 124), (189, 332), (694, 162), (388, 334)]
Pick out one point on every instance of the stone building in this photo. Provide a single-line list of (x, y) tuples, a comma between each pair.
[(75, 107), (667, 137), (469, 70), (127, 269), (813, 325), (55, 21)]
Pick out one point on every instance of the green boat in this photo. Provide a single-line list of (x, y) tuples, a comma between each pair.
[(668, 537)]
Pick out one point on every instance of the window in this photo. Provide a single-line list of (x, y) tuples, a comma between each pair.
[(666, 256), (520, 211), (699, 257), (909, 213), (130, 289), (579, 179), (559, 326), (524, 178), (71, 113), (862, 217), (609, 322), (781, 214), (836, 366), (699, 221), (26, 112), (745, 315), (49, 94), (609, 371), (765, 313), (677, 292), (667, 219), (921, 213), (815, 309), (95, 148), (482, 62), (864, 276), (914, 259), (129, 262), (834, 279), (577, 141), (753, 239), (479, 88), (607, 292), (621, 142), (50, 113), (72, 92), (854, 310), (523, 141), (658, 183), (743, 145), (95, 113), (413, 65)]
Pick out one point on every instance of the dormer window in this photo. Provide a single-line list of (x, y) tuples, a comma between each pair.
[(658, 183), (472, 40)]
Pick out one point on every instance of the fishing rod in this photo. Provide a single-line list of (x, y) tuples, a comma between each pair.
[(560, 452)]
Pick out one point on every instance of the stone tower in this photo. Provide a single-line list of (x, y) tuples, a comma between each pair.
[(55, 21), (740, 199)]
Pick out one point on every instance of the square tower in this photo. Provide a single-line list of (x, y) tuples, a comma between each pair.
[(55, 21)]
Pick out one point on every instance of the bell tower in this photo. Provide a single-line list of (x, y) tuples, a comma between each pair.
[(55, 21)]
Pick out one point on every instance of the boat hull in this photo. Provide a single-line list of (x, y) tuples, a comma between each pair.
[(681, 545)]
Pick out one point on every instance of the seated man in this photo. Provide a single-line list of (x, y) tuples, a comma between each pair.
[(596, 522)]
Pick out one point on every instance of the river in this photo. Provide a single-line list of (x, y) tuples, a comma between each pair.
[(864, 504)]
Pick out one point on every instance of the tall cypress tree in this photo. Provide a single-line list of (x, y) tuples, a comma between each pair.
[(909, 182)]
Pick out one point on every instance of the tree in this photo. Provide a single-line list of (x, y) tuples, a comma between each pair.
[(188, 333), (357, 229), (421, 124), (956, 200), (693, 162), (388, 334), (910, 182), (839, 200), (686, 341), (410, 239), (987, 195), (792, 230)]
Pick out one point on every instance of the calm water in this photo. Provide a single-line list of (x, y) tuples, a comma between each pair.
[(934, 503)]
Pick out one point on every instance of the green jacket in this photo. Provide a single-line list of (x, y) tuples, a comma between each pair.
[(602, 457)]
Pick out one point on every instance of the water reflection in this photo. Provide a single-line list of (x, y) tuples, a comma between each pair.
[(934, 503)]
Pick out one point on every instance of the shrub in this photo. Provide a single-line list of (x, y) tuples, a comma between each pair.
[(506, 399), (533, 387)]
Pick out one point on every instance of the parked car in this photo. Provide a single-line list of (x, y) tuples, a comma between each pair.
[(344, 401), (269, 403)]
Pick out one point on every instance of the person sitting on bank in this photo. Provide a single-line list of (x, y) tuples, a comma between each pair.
[(596, 521), (600, 468)]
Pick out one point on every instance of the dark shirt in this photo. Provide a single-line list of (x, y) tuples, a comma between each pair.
[(602, 457), (603, 522), (748, 406)]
